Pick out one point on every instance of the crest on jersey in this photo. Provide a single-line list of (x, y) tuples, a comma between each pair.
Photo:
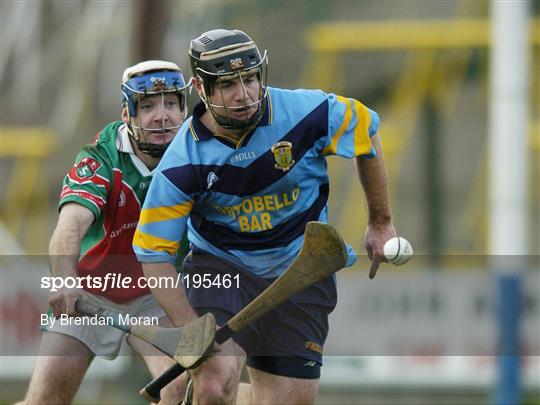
[(283, 155), (87, 167)]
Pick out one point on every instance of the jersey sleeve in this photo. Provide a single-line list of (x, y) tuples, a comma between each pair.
[(350, 126), (163, 219), (88, 183)]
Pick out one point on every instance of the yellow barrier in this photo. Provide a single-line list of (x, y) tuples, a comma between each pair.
[(423, 76), (25, 191), (399, 34)]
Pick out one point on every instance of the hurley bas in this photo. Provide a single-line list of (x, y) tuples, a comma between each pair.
[(95, 320)]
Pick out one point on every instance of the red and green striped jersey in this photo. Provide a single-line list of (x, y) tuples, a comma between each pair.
[(111, 181)]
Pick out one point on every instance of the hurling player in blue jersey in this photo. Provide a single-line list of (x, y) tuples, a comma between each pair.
[(245, 175)]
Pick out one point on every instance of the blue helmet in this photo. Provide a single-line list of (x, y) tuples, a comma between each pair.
[(150, 78)]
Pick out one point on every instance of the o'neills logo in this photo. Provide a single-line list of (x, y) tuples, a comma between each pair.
[(314, 347)]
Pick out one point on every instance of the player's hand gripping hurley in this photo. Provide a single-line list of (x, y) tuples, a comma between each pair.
[(187, 345), (323, 253)]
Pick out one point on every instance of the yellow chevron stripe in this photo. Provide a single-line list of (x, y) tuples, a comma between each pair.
[(151, 242), (192, 131), (362, 143), (332, 148), (149, 215)]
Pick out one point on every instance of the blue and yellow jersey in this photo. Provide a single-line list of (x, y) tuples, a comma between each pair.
[(249, 203)]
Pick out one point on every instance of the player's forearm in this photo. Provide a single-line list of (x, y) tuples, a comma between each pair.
[(64, 250), (173, 300), (374, 179), (65, 244)]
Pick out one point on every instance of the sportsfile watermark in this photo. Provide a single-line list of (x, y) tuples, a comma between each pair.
[(419, 309), (117, 280)]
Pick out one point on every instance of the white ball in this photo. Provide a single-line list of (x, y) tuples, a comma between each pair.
[(398, 251)]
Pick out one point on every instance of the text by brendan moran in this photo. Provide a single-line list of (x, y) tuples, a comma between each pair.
[(95, 320)]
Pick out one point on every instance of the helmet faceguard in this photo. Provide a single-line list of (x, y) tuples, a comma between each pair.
[(224, 55), (147, 79)]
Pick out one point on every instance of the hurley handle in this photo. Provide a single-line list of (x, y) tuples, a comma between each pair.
[(151, 391)]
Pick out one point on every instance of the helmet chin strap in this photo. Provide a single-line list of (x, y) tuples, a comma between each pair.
[(228, 122), (152, 149), (233, 123), (155, 150)]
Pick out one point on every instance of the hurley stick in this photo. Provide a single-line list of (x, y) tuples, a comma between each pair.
[(323, 253), (186, 345)]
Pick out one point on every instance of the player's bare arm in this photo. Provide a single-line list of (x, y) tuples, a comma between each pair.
[(373, 176), (173, 300), (247, 209), (64, 248), (100, 204)]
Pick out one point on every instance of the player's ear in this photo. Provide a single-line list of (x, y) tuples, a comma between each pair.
[(125, 115), (198, 85)]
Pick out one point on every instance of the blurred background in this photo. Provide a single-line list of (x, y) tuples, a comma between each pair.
[(424, 66)]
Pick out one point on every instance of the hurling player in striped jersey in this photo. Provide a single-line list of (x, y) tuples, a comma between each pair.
[(99, 208), (244, 176)]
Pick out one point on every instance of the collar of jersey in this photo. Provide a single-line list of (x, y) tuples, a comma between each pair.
[(123, 144), (201, 133)]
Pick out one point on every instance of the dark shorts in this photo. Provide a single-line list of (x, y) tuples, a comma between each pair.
[(286, 341)]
